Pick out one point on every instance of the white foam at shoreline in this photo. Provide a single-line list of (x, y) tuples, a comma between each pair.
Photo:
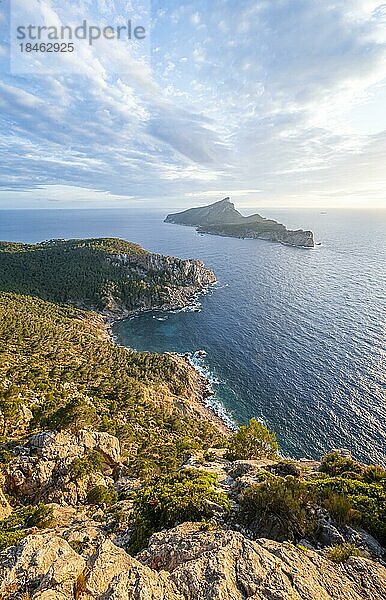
[(196, 360)]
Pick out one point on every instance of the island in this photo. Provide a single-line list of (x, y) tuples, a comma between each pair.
[(221, 218), (117, 482)]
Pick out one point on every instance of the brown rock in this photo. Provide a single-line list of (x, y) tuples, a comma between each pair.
[(42, 471), (187, 563)]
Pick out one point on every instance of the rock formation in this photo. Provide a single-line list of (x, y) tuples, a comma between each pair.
[(42, 469), (185, 563), (221, 218)]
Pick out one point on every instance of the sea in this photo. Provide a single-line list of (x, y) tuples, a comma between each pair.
[(294, 337)]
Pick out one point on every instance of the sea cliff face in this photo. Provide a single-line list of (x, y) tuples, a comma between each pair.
[(111, 276), (221, 218), (176, 282), (300, 238)]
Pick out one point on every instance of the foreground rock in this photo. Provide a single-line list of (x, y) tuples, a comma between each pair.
[(185, 563), (42, 470)]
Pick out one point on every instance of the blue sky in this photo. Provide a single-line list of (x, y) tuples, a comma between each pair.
[(274, 102)]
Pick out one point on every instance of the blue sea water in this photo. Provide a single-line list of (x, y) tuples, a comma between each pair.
[(294, 337)]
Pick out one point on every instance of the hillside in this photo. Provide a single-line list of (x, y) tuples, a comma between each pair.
[(221, 218), (115, 480), (59, 363), (109, 275)]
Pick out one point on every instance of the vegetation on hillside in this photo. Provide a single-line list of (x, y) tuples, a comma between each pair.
[(252, 442), (188, 495), (57, 361), (87, 273)]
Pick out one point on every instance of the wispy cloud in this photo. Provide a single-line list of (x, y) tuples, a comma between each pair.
[(244, 98)]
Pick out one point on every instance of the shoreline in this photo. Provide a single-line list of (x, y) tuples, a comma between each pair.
[(200, 384)]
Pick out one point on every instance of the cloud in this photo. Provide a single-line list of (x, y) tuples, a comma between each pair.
[(251, 96)]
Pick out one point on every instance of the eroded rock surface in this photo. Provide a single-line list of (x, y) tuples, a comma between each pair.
[(185, 563), (42, 470)]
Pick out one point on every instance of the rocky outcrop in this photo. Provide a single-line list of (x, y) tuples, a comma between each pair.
[(221, 218), (42, 469), (185, 563), (177, 283), (5, 507)]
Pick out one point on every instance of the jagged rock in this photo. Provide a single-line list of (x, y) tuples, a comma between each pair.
[(224, 564), (239, 468), (185, 279), (42, 469), (186, 563), (285, 467), (362, 539), (329, 535), (45, 563), (5, 507), (52, 445)]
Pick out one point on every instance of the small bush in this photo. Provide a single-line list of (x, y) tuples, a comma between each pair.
[(341, 552), (10, 538), (13, 528), (334, 464), (189, 495), (252, 442), (91, 462), (102, 495), (340, 509), (40, 516), (374, 474), (278, 509), (76, 414), (368, 501)]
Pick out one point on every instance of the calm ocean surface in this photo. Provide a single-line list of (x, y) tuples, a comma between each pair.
[(294, 337)]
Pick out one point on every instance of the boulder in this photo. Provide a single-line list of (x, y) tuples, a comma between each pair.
[(42, 562), (185, 563), (41, 471)]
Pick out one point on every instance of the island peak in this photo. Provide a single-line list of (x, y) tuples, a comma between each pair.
[(222, 218)]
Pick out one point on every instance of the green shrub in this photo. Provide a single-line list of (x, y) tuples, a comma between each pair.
[(40, 516), (341, 552), (13, 528), (278, 509), (189, 495), (252, 442), (90, 462), (102, 495), (334, 464), (340, 509), (10, 538), (368, 501), (374, 474), (76, 414)]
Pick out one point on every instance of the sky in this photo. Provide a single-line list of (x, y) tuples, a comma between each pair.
[(272, 102)]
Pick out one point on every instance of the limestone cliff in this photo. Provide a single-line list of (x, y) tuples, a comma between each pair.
[(108, 275)]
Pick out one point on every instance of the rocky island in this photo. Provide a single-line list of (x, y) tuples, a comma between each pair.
[(116, 482), (221, 218)]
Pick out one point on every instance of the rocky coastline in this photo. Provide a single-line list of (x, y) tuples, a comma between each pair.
[(222, 219)]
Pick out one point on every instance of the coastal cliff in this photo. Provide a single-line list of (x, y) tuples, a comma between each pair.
[(111, 276), (221, 218), (116, 479)]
